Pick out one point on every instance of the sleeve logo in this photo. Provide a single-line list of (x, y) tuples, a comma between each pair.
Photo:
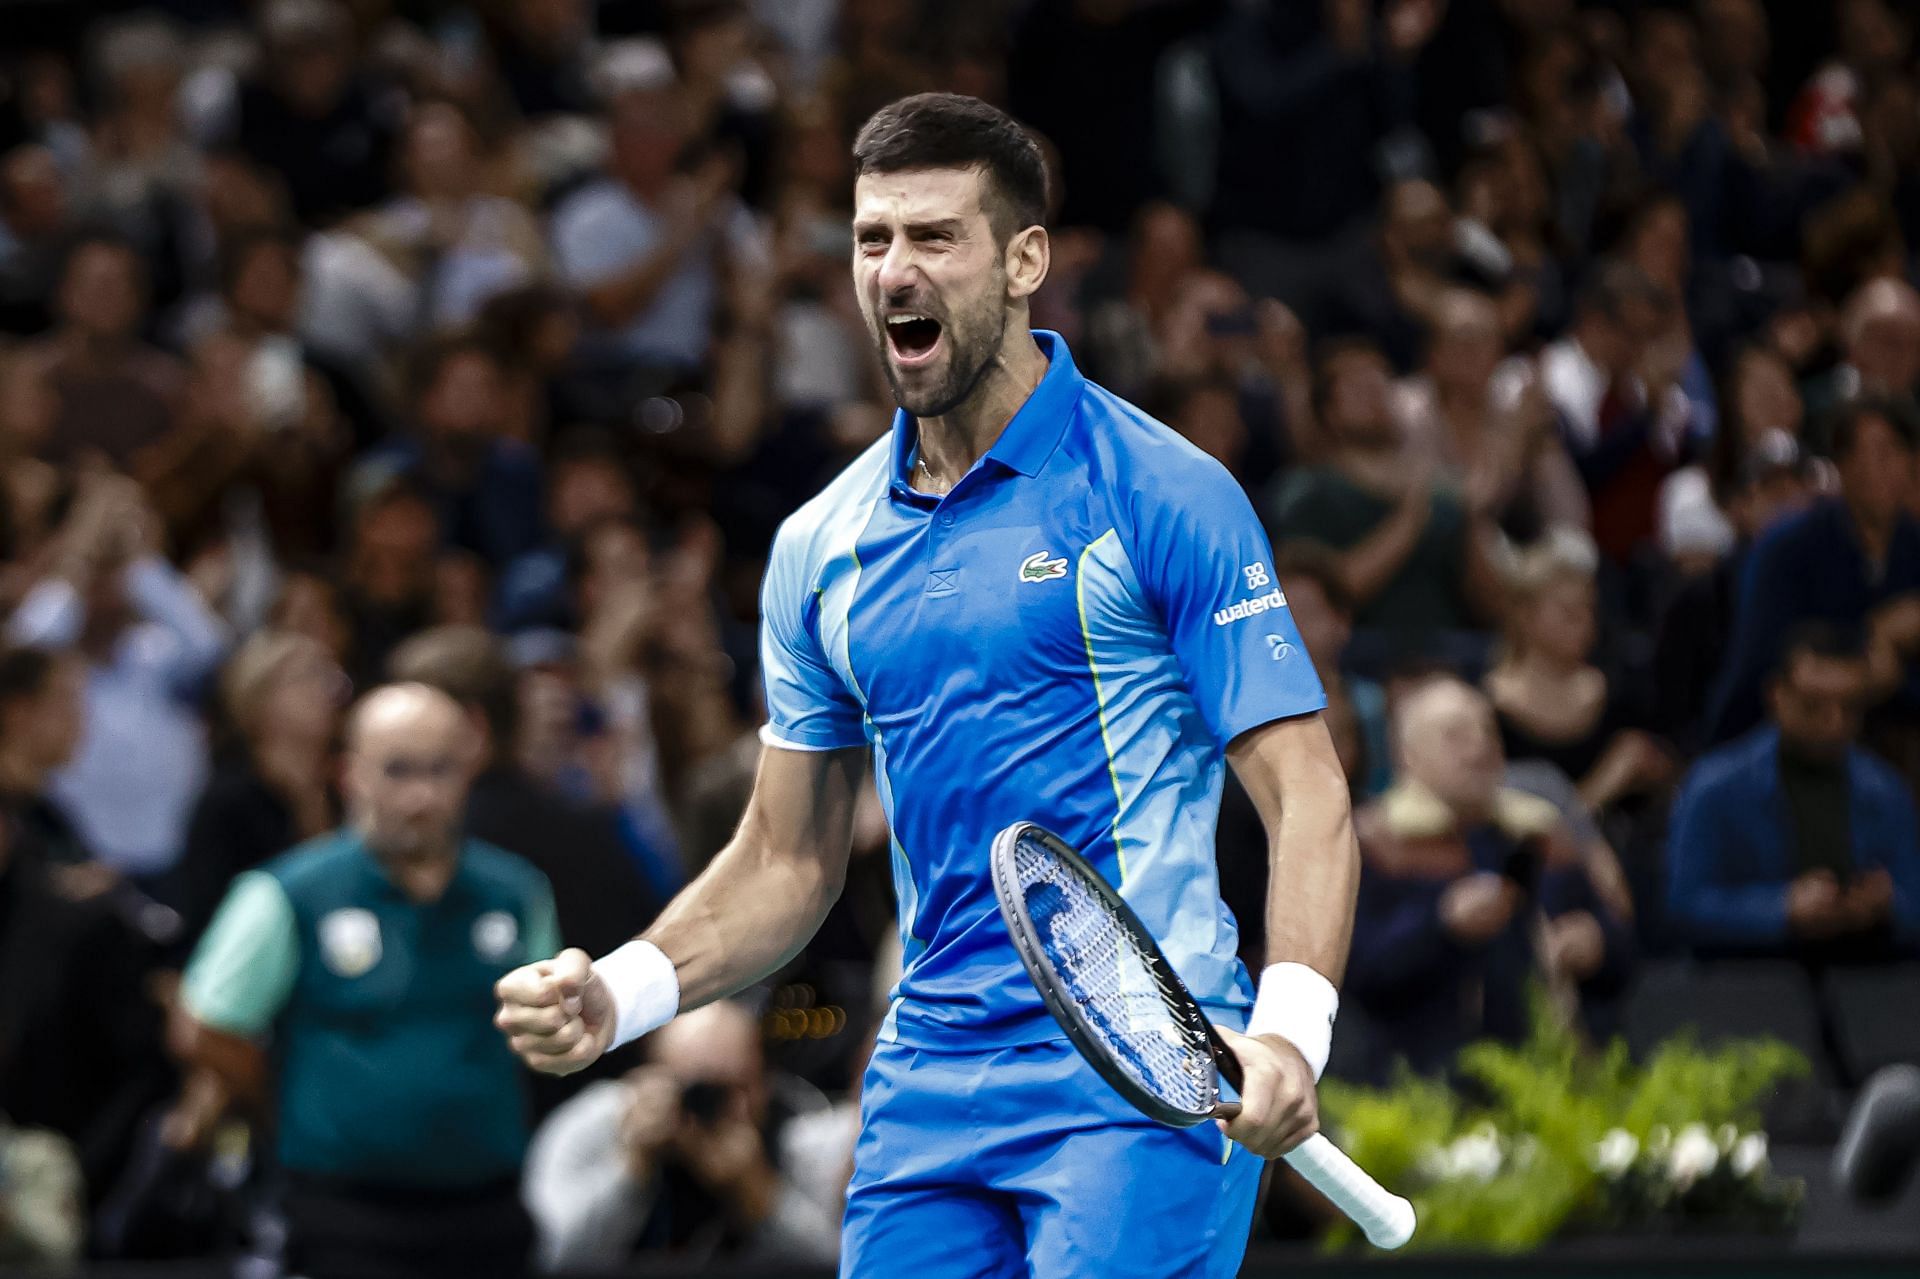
[(1257, 576), (1038, 567)]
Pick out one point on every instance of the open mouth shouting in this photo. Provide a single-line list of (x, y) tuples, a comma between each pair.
[(912, 338)]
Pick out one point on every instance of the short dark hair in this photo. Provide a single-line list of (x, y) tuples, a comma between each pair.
[(24, 672), (953, 131), (1850, 417), (1823, 641)]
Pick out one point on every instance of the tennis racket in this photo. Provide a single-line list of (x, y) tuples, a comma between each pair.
[(1105, 981)]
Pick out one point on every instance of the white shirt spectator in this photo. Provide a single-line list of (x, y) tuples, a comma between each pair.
[(143, 758), (605, 229)]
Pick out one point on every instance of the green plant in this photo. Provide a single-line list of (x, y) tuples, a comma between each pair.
[(1510, 1156)]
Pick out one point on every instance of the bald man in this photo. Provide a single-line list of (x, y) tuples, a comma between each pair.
[(1469, 890), (369, 956)]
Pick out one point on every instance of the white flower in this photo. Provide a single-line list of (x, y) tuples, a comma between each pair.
[(1614, 1153), (1724, 1136), (1749, 1155), (1659, 1140), (1694, 1155), (1477, 1155), (1436, 1163)]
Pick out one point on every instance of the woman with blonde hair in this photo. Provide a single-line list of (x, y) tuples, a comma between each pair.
[(281, 695), (1552, 702)]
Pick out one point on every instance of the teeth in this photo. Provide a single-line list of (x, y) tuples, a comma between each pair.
[(905, 319)]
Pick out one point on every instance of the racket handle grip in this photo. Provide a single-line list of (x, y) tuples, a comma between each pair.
[(1384, 1217)]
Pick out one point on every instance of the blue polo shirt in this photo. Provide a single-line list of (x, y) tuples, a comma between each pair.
[(1071, 636)]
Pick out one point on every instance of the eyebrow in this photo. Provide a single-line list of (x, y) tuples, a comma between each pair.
[(952, 226)]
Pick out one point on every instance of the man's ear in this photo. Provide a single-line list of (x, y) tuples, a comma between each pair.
[(1029, 253)]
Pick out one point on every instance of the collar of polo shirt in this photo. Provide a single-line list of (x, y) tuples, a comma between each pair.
[(1029, 439)]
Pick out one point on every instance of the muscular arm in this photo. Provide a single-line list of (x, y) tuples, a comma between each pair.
[(1293, 776), (747, 914), (765, 893)]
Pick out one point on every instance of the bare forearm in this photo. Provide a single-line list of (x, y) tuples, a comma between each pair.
[(746, 916), (1315, 878), (1292, 773)]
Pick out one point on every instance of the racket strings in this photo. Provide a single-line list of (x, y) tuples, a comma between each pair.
[(1121, 991)]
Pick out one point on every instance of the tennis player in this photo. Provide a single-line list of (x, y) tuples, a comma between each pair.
[(1029, 601)]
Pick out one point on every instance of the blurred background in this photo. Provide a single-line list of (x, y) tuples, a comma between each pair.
[(1568, 349)]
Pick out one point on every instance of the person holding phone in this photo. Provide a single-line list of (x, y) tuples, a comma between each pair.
[(691, 1155)]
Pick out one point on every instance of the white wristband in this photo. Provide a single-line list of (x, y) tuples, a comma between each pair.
[(1299, 1005), (645, 989)]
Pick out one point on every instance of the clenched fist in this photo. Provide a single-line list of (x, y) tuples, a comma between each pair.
[(558, 1015)]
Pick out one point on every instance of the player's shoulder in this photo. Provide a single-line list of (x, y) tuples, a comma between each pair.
[(1144, 454), (1159, 483), (825, 519)]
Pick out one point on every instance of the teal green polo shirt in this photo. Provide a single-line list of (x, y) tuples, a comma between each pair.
[(388, 1068)]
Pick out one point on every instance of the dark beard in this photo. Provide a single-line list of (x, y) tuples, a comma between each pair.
[(962, 378)]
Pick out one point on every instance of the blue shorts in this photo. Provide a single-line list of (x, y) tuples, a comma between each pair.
[(1022, 1161)]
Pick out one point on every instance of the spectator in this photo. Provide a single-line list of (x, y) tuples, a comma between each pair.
[(541, 49), (282, 693), (1793, 839), (588, 482), (1468, 890), (531, 333), (34, 205), (1551, 702), (149, 642), (1396, 298), (144, 174), (42, 716), (79, 1031), (1761, 402), (650, 245), (388, 575), (685, 1156), (458, 243), (116, 396), (1486, 424), (1306, 88), (312, 117), (401, 1116), (1836, 563), (485, 487), (1880, 339), (1412, 557), (1614, 381), (599, 896), (1772, 483)]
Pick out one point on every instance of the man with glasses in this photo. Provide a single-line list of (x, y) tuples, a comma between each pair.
[(369, 955), (1792, 839)]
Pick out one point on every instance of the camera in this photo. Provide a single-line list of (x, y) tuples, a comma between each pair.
[(704, 1103)]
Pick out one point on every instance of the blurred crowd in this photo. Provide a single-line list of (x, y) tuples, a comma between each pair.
[(1570, 351)]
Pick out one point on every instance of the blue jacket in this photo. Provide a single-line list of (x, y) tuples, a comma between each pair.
[(1730, 853)]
